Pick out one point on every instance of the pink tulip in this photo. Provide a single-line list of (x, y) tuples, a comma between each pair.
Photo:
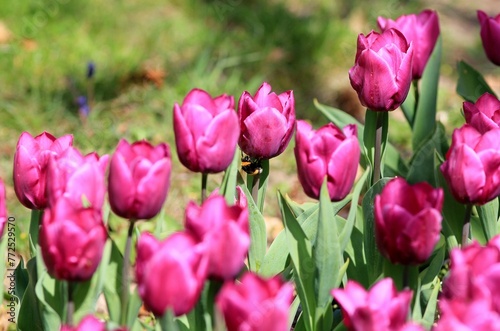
[(490, 35), (382, 70), (381, 308), (88, 323), (328, 152), (72, 240), (3, 208), (408, 221), (472, 166), (484, 115), (139, 178), (170, 274), (267, 122), (255, 304), (225, 232), (421, 30), (30, 166), (206, 131), (77, 177)]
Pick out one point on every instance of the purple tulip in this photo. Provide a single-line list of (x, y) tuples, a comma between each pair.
[(328, 152), (421, 30), (206, 131), (472, 166), (170, 274), (408, 221), (30, 166), (484, 115), (382, 70), (225, 232), (72, 240), (77, 177), (255, 304), (490, 35), (144, 170), (381, 308), (88, 323), (267, 122)]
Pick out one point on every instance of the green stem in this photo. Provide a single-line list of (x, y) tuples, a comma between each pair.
[(406, 276), (466, 226), (125, 274), (167, 322), (36, 218), (417, 95), (71, 304), (204, 177), (255, 188), (378, 149)]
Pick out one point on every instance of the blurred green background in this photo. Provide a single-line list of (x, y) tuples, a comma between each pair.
[(149, 54)]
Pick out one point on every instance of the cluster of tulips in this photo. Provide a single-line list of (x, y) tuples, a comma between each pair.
[(396, 242)]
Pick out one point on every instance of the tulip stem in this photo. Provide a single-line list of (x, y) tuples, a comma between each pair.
[(378, 147), (125, 274), (36, 218), (417, 95), (204, 177), (255, 188), (71, 305), (406, 276), (466, 226)]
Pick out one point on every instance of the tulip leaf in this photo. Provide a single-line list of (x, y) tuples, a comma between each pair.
[(113, 281), (300, 249), (429, 317), (228, 185), (421, 164), (258, 235), (21, 277), (134, 304), (358, 266), (471, 84), (53, 297), (394, 165), (293, 313), (372, 254), (425, 115), (488, 218), (327, 254), (30, 317)]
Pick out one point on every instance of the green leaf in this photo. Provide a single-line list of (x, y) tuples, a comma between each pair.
[(53, 296), (30, 318), (429, 317), (167, 322), (471, 84), (355, 252), (258, 235), (372, 254), (303, 264), (228, 185), (113, 281), (134, 305), (21, 277), (327, 254), (488, 218), (394, 165), (425, 116)]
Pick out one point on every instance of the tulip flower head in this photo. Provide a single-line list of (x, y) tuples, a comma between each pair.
[(382, 70), (88, 323), (170, 274), (77, 177), (490, 35), (30, 166), (381, 308), (224, 230), (206, 131), (421, 30), (256, 304), (267, 122), (472, 166), (408, 221), (72, 240), (144, 170), (328, 152), (484, 115)]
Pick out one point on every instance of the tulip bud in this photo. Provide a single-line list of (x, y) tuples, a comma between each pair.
[(267, 122), (421, 30), (225, 232), (170, 274), (328, 152), (472, 166), (408, 221), (381, 308), (382, 70), (77, 177), (255, 304), (484, 115), (3, 208), (72, 240), (144, 170), (88, 323), (490, 35), (206, 131), (30, 166)]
